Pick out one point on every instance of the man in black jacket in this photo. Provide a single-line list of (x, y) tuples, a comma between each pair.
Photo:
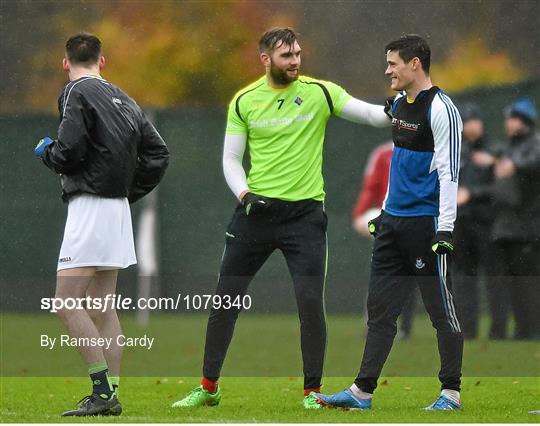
[(107, 154), (473, 224), (516, 228)]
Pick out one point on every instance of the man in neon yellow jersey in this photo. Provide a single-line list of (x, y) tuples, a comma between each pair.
[(282, 117)]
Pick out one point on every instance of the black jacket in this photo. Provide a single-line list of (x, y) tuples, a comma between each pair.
[(472, 176), (516, 199), (106, 146)]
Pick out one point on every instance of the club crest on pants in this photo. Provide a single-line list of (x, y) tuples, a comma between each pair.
[(419, 263)]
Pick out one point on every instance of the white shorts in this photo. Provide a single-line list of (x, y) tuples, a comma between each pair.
[(98, 233)]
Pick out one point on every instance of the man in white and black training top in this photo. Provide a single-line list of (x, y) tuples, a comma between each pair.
[(413, 234)]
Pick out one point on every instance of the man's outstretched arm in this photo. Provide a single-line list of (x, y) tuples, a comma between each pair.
[(362, 112)]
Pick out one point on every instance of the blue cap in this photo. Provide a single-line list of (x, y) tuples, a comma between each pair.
[(470, 111), (524, 109)]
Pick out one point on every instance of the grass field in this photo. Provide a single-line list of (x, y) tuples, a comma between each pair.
[(147, 400), (261, 382)]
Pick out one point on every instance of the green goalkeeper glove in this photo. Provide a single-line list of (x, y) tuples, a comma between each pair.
[(442, 242)]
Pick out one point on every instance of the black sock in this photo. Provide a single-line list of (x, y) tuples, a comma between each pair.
[(100, 384)]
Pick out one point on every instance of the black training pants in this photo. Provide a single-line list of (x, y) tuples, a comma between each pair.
[(298, 229), (402, 256)]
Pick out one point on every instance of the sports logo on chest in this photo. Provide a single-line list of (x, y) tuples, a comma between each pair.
[(281, 121), (282, 112), (399, 124)]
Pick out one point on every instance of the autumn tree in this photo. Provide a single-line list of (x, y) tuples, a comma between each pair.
[(167, 53), (469, 63)]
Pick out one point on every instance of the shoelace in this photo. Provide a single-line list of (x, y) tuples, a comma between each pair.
[(311, 399), (192, 395), (444, 403), (86, 399)]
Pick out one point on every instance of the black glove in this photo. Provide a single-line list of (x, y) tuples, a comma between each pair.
[(442, 242), (253, 203), (388, 103), (374, 225)]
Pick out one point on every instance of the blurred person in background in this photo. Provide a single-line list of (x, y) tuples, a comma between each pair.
[(516, 228), (472, 228), (281, 118), (368, 206), (108, 155), (374, 186)]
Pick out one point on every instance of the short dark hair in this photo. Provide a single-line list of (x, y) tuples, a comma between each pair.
[(411, 46), (276, 37), (83, 48)]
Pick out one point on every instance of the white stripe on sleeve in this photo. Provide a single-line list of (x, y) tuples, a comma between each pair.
[(446, 126)]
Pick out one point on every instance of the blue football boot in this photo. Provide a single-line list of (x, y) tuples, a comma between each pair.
[(345, 400), (443, 403)]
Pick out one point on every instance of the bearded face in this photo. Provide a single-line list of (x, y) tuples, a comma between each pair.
[(283, 76), (285, 64)]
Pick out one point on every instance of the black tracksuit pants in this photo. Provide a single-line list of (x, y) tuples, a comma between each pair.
[(402, 256), (298, 229)]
